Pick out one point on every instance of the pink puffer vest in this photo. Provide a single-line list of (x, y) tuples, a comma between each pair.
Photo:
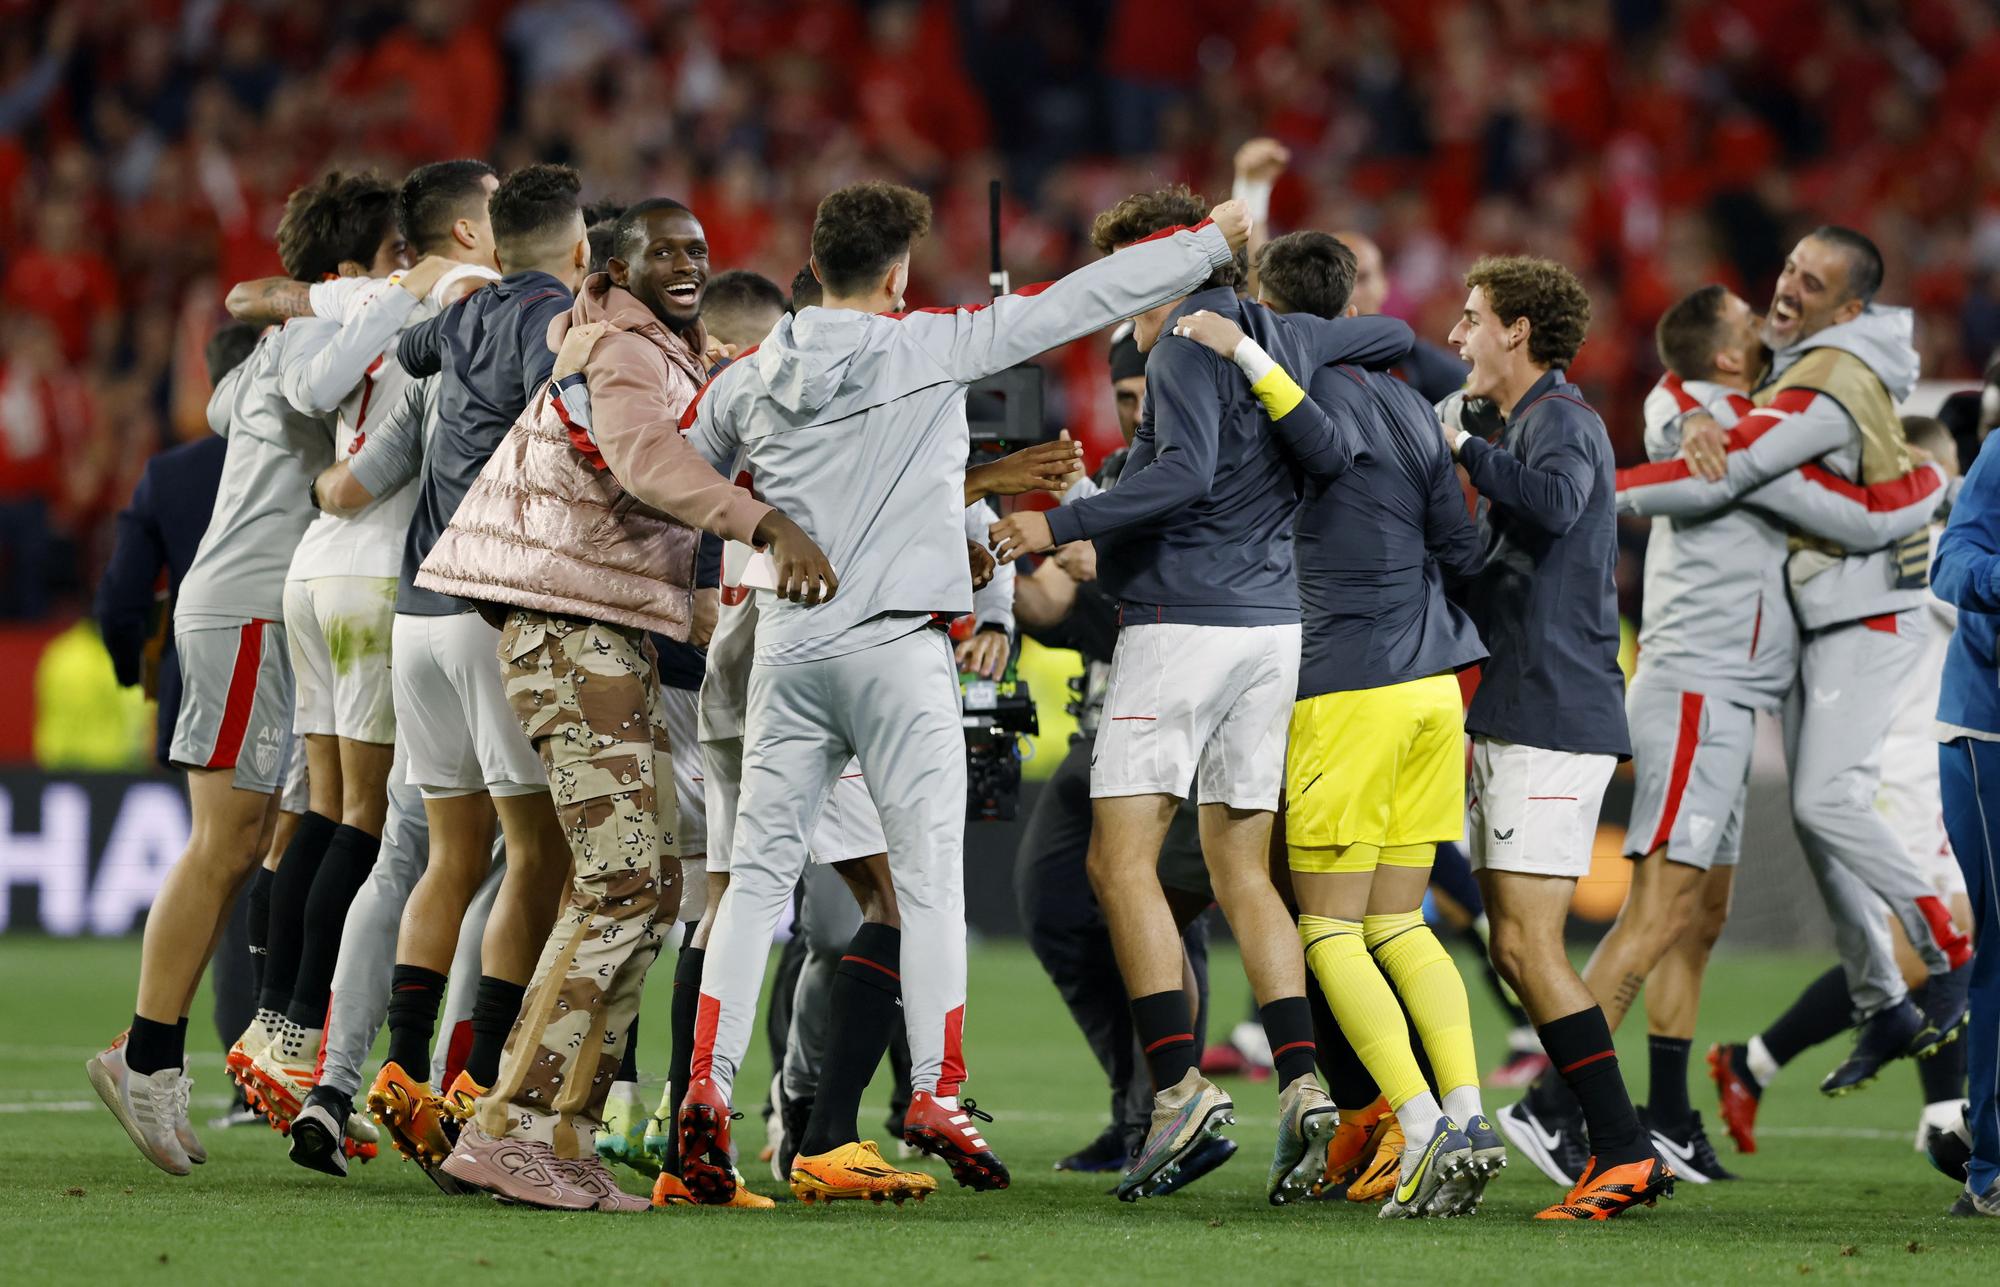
[(543, 529)]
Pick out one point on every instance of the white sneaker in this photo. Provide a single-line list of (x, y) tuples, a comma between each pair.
[(1944, 1115), (152, 1108), (184, 1129)]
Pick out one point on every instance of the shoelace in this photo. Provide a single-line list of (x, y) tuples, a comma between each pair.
[(183, 1098), (971, 1109)]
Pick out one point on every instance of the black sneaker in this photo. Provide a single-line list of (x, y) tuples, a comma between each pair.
[(1887, 1035), (1950, 1148), (1686, 1149), (793, 1114), (1945, 1001), (1557, 1146), (317, 1130), (1105, 1153)]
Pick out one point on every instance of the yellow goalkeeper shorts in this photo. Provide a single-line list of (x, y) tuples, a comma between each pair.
[(1377, 766)]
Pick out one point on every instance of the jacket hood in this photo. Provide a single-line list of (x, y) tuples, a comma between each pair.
[(1883, 337), (806, 358), (599, 301)]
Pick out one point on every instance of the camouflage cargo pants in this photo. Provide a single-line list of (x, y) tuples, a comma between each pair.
[(588, 696)]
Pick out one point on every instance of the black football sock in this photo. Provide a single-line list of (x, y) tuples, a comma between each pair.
[(1166, 1036), (350, 856), (414, 996), (151, 1046), (686, 1005), (1580, 1047), (257, 929), (1550, 1097), (1288, 1025), (1942, 1076), (495, 1007), (628, 1063), (1348, 1082), (290, 888), (1822, 1012), (863, 1006), (1667, 1085)]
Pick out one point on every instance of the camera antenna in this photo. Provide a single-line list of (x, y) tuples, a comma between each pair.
[(997, 277)]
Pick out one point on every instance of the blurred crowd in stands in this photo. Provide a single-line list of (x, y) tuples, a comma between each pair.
[(146, 147)]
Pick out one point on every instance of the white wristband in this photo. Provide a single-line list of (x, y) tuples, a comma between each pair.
[(1256, 195), (1458, 443), (1252, 359)]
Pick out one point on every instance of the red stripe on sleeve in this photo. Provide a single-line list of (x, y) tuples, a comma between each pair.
[(1878, 498), (1677, 390)]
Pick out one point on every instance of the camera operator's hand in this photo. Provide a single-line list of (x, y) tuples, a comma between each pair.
[(1705, 446), (802, 566), (1078, 560), (1022, 532), (983, 565), (984, 654), (1212, 329), (707, 606), (1046, 466), (1232, 219)]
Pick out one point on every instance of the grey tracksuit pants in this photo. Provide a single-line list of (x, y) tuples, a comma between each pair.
[(1835, 723), (367, 961), (895, 707)]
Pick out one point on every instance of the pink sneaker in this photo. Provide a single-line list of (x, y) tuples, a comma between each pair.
[(522, 1171), (590, 1175)]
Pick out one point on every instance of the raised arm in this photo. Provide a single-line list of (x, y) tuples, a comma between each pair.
[(420, 350), (1857, 518), (1965, 572), (1799, 425), (1549, 484), (269, 300), (323, 369), (1371, 343), (1314, 439), (969, 343)]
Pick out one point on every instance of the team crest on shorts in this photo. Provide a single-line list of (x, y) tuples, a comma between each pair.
[(269, 747)]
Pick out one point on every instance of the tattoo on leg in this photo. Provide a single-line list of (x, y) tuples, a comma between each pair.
[(1628, 990)]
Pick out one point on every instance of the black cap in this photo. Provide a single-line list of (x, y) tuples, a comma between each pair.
[(1126, 359)]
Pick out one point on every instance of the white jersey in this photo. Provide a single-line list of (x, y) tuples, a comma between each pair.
[(370, 311)]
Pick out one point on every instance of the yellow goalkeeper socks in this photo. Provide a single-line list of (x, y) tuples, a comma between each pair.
[(1366, 1009), (1430, 986)]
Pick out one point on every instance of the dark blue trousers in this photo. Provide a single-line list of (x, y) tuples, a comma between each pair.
[(1969, 773)]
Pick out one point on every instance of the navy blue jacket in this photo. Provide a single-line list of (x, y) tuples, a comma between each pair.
[(1966, 572), (161, 528), (1375, 540), (490, 352), (1199, 527), (1546, 599)]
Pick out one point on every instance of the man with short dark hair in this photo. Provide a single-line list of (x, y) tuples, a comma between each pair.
[(1196, 543), (234, 730), (1548, 720), (739, 304), (854, 418), (1839, 362), (465, 747)]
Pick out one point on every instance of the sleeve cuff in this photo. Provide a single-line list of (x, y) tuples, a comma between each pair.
[(1211, 240), (367, 469), (741, 518), (1064, 525)]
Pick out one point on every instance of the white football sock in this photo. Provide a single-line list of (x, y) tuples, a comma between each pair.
[(1762, 1066), (1461, 1105)]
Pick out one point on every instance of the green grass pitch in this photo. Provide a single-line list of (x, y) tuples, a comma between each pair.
[(1835, 1192)]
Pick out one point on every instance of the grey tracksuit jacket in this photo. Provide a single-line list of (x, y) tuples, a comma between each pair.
[(1718, 617), (1810, 429)]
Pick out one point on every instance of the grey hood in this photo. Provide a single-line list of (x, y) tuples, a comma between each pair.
[(808, 356), (1883, 337)]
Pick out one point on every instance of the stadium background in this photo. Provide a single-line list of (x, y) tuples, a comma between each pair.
[(146, 147)]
